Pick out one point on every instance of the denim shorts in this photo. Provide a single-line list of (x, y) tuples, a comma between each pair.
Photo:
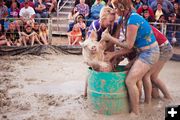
[(165, 52), (150, 56)]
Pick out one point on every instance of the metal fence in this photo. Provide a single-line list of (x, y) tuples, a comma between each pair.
[(59, 26)]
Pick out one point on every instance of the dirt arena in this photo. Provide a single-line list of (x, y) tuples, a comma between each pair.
[(50, 87)]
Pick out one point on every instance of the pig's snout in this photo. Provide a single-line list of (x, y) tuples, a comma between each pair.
[(93, 48)]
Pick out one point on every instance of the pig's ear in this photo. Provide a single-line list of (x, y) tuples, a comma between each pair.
[(93, 35), (107, 30)]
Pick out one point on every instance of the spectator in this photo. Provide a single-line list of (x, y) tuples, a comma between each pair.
[(75, 36), (12, 36), (9, 3), (50, 5), (158, 24), (159, 11), (72, 15), (83, 8), (82, 25), (3, 40), (167, 6), (95, 11), (143, 8), (30, 3), (41, 11), (28, 36), (37, 32), (13, 11), (3, 12), (102, 2), (177, 10), (137, 4), (26, 13), (43, 33), (172, 29), (147, 16)]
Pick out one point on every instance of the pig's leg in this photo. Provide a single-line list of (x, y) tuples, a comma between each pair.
[(86, 85)]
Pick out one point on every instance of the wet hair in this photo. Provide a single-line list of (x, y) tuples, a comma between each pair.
[(105, 12), (122, 4)]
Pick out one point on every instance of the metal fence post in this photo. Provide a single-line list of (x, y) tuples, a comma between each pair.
[(50, 29)]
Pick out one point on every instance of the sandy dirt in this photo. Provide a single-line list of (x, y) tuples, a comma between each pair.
[(50, 87)]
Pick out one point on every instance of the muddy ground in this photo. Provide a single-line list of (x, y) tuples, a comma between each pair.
[(50, 87)]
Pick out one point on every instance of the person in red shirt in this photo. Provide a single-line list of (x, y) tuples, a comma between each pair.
[(165, 55), (145, 7)]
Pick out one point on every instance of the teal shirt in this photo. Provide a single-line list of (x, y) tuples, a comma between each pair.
[(145, 35)]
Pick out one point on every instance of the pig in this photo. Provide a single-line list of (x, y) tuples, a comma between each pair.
[(93, 53)]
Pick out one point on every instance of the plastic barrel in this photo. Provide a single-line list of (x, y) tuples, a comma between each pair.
[(107, 93)]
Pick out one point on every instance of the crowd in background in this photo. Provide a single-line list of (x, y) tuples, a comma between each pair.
[(156, 11), (17, 17), (22, 21)]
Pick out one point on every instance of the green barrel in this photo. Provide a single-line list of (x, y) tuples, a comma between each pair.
[(107, 93)]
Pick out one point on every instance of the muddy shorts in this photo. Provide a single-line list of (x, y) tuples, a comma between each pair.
[(165, 52), (150, 56)]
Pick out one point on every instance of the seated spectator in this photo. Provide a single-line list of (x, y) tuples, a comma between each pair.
[(37, 32), (4, 12), (43, 33), (41, 11), (72, 15), (82, 25), (28, 36), (167, 6), (50, 5), (95, 11), (159, 24), (30, 3), (3, 40), (137, 4), (26, 14), (159, 11), (172, 29), (147, 16), (13, 11), (12, 36), (145, 7), (83, 8), (9, 3), (177, 10), (75, 36)]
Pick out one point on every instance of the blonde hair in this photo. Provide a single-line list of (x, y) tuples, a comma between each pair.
[(43, 31), (105, 12)]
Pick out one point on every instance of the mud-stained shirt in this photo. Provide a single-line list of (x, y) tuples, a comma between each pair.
[(145, 35)]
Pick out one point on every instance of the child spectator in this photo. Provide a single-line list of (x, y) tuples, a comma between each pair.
[(82, 25), (83, 8), (12, 36), (147, 16), (43, 33), (28, 36), (36, 30), (75, 36), (145, 7), (41, 11), (3, 40)]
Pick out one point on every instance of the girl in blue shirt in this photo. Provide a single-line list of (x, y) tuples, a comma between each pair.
[(138, 34)]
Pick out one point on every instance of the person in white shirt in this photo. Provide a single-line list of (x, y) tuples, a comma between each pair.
[(27, 13)]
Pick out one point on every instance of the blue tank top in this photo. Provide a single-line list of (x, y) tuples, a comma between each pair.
[(145, 35)]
